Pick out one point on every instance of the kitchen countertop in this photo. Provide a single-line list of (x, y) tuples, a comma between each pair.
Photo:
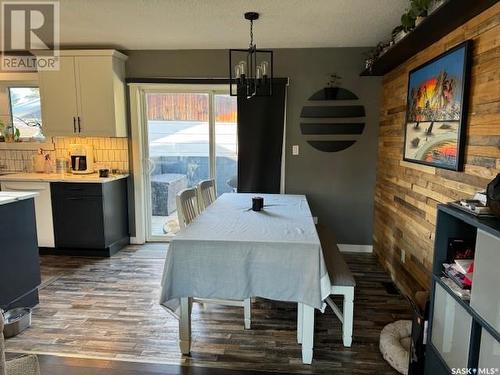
[(13, 196), (58, 177)]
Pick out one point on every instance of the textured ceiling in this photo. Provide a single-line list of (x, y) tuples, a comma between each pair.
[(210, 24)]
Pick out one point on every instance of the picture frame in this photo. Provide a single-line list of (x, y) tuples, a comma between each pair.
[(437, 108)]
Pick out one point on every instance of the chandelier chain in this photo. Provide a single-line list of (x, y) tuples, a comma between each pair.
[(251, 33)]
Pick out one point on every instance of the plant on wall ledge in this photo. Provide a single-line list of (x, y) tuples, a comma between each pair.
[(378, 51), (408, 21), (415, 13), (398, 33), (419, 9), (332, 86)]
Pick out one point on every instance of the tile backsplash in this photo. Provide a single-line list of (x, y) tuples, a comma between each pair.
[(109, 153)]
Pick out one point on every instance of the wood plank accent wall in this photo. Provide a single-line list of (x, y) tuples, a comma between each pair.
[(407, 194)]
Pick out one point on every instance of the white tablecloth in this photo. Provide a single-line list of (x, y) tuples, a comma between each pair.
[(232, 252)]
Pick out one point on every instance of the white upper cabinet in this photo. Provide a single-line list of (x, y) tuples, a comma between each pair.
[(58, 99), (86, 96)]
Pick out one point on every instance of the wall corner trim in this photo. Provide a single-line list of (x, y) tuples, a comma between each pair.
[(136, 241)]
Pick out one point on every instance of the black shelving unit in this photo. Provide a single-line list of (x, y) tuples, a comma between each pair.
[(442, 21), (461, 326)]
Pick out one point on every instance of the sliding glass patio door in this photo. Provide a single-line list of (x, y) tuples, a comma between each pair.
[(189, 135)]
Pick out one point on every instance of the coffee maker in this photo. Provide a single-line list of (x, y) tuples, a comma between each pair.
[(82, 159)]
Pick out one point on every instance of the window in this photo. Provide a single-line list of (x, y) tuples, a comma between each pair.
[(25, 112), (226, 143), (190, 135)]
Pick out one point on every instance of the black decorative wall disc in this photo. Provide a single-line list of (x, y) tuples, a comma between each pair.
[(329, 124)]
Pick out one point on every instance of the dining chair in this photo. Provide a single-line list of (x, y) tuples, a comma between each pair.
[(187, 206), (188, 209), (206, 193)]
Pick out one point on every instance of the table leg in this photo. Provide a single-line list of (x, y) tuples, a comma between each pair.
[(300, 311), (307, 333), (185, 325), (248, 313)]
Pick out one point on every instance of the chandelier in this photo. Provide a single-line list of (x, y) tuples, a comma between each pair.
[(250, 70)]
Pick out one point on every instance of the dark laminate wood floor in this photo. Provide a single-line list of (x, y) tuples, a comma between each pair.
[(51, 365), (55, 365), (107, 309)]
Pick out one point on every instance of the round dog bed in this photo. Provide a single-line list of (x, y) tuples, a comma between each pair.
[(395, 344)]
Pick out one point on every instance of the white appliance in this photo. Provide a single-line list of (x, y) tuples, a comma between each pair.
[(82, 159), (43, 208)]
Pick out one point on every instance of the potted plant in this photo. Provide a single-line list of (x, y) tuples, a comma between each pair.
[(408, 20), (382, 48), (332, 86), (374, 54), (398, 33), (12, 134), (419, 9), (17, 134), (2, 131), (369, 60)]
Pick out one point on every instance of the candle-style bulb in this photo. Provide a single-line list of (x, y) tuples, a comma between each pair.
[(265, 68), (258, 72), (243, 67)]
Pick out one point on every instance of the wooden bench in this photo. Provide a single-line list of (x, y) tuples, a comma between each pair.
[(342, 280)]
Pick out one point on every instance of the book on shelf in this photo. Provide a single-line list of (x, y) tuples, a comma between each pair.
[(459, 278), (476, 206), (464, 266), (460, 248), (463, 294)]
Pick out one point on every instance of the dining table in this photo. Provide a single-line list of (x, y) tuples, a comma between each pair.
[(232, 252)]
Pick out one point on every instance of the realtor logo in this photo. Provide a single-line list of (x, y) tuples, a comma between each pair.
[(30, 35)]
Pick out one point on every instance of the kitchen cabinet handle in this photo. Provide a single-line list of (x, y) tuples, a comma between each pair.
[(74, 124), (79, 125)]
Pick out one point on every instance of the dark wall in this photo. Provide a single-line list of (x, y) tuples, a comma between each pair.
[(339, 185)]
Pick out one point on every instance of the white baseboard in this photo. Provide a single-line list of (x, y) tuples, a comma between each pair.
[(136, 241), (349, 248)]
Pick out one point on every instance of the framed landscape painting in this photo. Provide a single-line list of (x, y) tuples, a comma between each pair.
[(436, 110)]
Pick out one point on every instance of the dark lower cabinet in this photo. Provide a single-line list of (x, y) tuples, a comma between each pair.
[(90, 218), (19, 261), (79, 222)]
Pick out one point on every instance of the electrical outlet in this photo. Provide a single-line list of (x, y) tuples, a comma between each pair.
[(295, 150), (403, 256), (315, 219)]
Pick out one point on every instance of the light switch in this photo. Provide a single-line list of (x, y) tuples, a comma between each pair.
[(295, 149)]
